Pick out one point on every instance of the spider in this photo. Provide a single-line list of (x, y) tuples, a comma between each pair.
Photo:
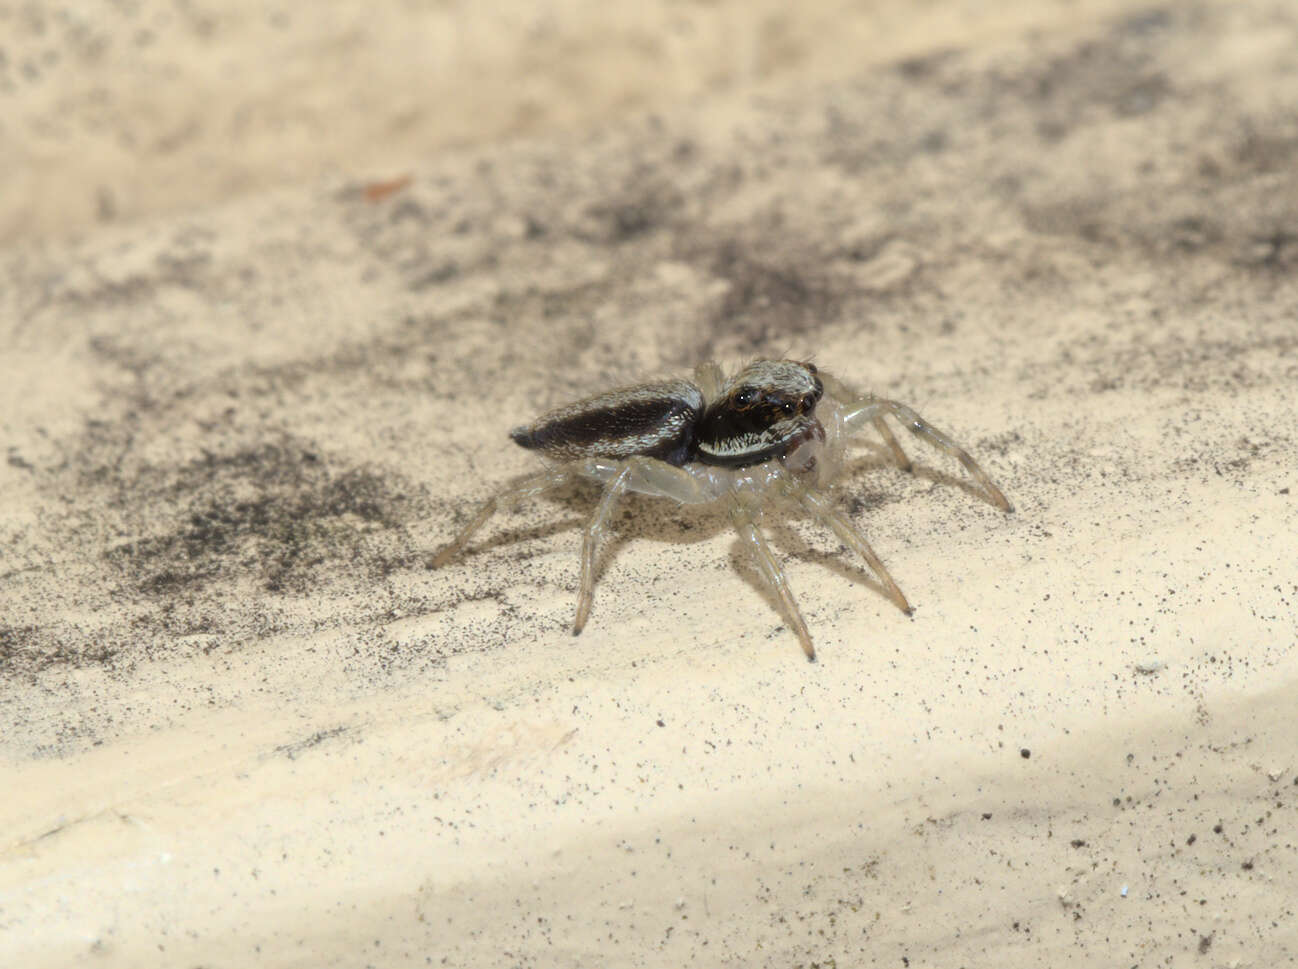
[(777, 429)]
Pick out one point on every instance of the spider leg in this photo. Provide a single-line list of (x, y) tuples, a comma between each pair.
[(769, 566), (824, 510), (944, 442), (647, 476), (885, 432), (595, 529), (709, 378), (527, 488), (860, 409)]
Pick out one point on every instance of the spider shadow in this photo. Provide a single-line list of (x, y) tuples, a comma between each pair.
[(515, 536), (880, 459), (638, 517)]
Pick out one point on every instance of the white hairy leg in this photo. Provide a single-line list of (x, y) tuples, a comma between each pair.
[(862, 409), (825, 511), (595, 529), (770, 570)]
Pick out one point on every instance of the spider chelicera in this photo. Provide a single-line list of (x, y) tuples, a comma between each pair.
[(777, 429)]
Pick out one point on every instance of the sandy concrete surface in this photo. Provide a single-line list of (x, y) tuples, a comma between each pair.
[(244, 724)]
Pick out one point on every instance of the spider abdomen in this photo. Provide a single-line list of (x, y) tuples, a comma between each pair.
[(653, 420)]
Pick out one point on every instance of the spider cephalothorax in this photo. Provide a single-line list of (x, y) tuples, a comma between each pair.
[(762, 412), (777, 429)]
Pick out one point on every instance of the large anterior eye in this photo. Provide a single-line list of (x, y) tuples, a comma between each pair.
[(788, 407), (744, 398)]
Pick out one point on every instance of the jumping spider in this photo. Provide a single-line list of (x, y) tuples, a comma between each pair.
[(777, 428)]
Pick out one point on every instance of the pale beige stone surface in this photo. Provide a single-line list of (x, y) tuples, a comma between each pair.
[(244, 724)]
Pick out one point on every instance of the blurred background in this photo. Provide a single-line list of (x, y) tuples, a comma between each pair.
[(130, 109)]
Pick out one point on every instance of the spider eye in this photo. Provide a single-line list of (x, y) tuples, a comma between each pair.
[(788, 407), (744, 398), (811, 368)]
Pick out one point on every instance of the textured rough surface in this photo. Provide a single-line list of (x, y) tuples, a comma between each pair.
[(244, 724)]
